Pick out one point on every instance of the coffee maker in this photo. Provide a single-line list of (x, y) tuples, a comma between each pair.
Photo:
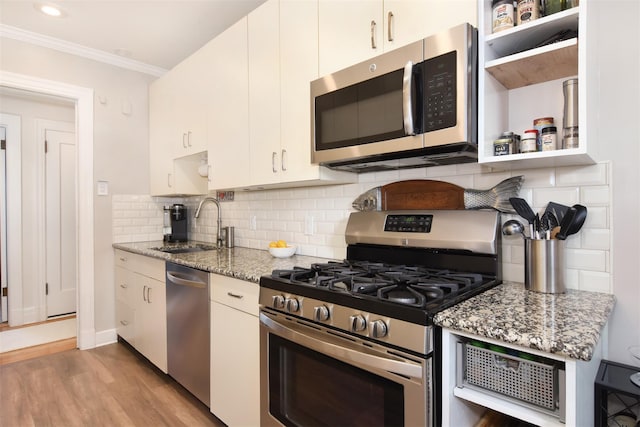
[(175, 223)]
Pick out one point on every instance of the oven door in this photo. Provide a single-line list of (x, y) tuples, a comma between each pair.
[(312, 376)]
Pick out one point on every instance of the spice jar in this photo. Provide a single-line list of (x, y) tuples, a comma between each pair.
[(549, 138), (528, 10), (501, 146), (502, 17), (528, 143), (541, 124)]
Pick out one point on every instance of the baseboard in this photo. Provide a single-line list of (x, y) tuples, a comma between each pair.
[(108, 336)]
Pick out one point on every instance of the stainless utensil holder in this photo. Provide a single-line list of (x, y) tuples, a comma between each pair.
[(229, 237), (544, 267)]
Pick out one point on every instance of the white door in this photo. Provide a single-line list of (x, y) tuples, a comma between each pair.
[(3, 227), (61, 237)]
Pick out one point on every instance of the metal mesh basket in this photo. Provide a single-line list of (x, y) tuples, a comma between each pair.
[(525, 380)]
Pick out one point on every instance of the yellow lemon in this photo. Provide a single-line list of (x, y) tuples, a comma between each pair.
[(273, 245), (281, 244)]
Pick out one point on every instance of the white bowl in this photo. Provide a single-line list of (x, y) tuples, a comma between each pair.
[(283, 252)]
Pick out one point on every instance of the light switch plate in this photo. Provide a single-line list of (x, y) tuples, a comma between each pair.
[(103, 188)]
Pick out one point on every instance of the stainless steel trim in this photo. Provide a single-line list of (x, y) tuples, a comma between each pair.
[(407, 102), (451, 229), (181, 279), (341, 352)]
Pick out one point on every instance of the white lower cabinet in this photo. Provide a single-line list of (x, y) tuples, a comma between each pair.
[(141, 305), (235, 351)]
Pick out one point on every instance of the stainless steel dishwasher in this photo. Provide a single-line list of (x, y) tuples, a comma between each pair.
[(188, 329)]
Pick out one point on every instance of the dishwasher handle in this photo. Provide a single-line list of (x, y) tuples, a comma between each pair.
[(185, 280)]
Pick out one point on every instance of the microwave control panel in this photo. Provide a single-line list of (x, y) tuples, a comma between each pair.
[(440, 92)]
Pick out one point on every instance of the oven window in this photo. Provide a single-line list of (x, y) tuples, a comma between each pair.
[(307, 388)]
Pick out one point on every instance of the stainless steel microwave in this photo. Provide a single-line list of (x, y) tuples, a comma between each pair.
[(414, 106)]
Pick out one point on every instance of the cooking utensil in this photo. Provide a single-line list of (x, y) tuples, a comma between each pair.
[(548, 222), (513, 226), (572, 221), (524, 210), (557, 209)]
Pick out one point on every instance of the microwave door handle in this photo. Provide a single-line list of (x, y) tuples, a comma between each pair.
[(344, 353), (407, 102)]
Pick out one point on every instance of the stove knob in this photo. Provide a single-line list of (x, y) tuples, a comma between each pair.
[(321, 313), (358, 323), (277, 301), (293, 305), (378, 329)]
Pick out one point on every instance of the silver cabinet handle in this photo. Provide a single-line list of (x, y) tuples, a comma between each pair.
[(407, 104), (232, 295), (209, 173), (144, 295), (373, 35), (124, 322), (184, 139), (274, 155), (390, 26), (123, 259), (282, 160), (148, 294), (169, 180), (189, 138), (124, 286)]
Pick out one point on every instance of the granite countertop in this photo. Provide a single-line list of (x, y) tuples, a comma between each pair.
[(568, 324), (241, 263)]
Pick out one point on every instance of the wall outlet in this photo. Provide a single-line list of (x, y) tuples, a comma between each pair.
[(225, 196), (309, 225)]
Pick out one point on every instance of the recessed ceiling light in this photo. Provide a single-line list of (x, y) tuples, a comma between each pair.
[(49, 9)]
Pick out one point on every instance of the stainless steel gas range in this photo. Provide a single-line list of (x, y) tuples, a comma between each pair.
[(352, 343)]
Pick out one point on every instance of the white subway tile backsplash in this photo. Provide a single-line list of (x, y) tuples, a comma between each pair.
[(281, 214)]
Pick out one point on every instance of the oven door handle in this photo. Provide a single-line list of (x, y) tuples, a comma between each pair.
[(354, 357)]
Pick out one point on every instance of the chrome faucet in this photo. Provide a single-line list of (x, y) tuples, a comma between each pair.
[(219, 241)]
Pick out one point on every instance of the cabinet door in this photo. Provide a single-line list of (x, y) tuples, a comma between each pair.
[(151, 321), (228, 118), (161, 112), (264, 93), (298, 67), (407, 21), (347, 31), (235, 366)]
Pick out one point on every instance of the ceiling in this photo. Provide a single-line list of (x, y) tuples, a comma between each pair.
[(159, 33)]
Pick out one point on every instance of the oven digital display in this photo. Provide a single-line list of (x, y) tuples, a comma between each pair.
[(408, 223)]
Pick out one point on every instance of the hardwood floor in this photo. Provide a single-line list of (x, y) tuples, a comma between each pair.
[(105, 386)]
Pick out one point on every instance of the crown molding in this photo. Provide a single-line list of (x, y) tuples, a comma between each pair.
[(15, 33)]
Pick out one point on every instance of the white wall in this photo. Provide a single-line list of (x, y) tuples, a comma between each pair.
[(31, 109), (120, 141)]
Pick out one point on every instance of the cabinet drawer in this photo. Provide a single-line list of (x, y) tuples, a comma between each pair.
[(235, 293), (141, 264), (125, 322), (124, 285)]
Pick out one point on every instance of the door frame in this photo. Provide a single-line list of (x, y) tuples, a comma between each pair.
[(83, 98)]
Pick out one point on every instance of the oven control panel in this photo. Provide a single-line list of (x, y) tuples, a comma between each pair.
[(408, 223), (382, 328)]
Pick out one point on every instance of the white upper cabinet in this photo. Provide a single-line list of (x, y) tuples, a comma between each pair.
[(264, 93), (352, 31), (521, 79), (228, 116)]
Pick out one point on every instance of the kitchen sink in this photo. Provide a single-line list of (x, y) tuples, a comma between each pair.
[(185, 249)]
